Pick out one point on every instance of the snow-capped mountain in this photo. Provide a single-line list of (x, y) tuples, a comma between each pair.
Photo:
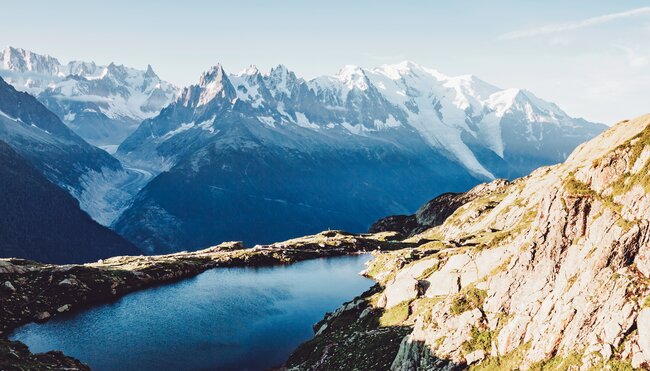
[(263, 156), (96, 179), (492, 132), (102, 104)]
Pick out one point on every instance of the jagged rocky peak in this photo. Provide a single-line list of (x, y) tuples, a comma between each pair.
[(250, 71), (21, 60), (252, 76), (353, 77), (214, 75), (550, 271), (280, 72), (116, 73), (214, 84), (280, 81), (149, 73), (80, 68)]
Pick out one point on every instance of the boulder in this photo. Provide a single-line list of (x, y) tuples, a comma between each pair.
[(8, 287)]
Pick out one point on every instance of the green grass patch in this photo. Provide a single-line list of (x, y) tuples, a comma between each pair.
[(558, 363), (468, 299), (395, 315), (510, 361), (577, 188), (479, 339), (423, 307)]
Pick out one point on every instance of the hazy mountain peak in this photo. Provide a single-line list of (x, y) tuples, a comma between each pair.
[(150, 72), (21, 60), (103, 104), (407, 68), (516, 99), (213, 83), (214, 74), (249, 71), (279, 70), (353, 77)]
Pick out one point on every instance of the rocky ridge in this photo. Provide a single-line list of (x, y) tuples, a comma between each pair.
[(434, 212), (550, 271)]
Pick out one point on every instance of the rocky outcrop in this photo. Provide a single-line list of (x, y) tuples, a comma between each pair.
[(33, 291), (551, 271), (434, 212), (15, 355)]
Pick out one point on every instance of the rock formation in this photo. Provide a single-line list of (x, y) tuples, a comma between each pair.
[(550, 271)]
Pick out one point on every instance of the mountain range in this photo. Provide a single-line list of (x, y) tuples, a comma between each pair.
[(264, 156), (102, 104)]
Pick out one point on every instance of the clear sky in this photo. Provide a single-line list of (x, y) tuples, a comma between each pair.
[(591, 57)]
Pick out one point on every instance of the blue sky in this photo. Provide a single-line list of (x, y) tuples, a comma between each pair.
[(590, 57)]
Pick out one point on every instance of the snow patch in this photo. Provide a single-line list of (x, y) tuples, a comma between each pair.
[(208, 125), (180, 129), (267, 120), (390, 122), (357, 129), (303, 121)]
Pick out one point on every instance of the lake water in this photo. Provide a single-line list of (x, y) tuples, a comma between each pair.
[(223, 319)]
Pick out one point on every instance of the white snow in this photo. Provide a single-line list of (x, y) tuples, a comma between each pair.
[(357, 129), (10, 118), (442, 109), (208, 125), (304, 122), (390, 122), (106, 194), (267, 120), (180, 129), (69, 117)]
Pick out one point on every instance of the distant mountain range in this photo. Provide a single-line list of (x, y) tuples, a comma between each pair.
[(40, 221), (102, 104), (262, 157)]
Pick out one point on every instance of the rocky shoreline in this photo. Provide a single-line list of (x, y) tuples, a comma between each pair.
[(33, 291)]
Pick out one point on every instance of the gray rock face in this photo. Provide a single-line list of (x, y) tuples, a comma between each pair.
[(263, 157), (550, 292)]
